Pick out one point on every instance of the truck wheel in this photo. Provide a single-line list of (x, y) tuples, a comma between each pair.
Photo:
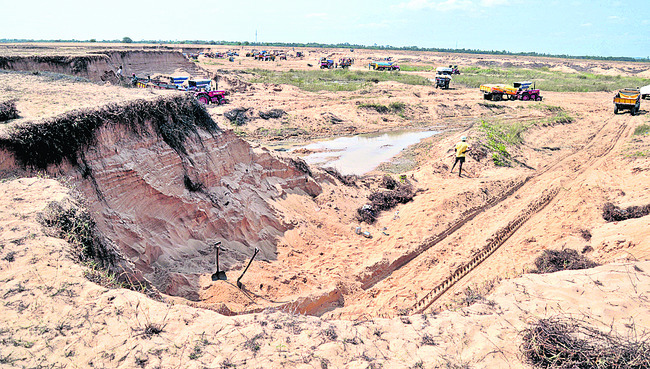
[(496, 97), (633, 111), (615, 109), (525, 97)]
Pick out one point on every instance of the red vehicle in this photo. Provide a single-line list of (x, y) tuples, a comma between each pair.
[(526, 93), (211, 97), (326, 63)]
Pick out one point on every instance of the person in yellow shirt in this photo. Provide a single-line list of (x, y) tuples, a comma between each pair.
[(461, 149)]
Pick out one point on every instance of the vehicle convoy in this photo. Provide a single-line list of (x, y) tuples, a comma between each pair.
[(326, 63), (627, 99), (383, 65), (518, 91), (443, 77), (202, 89)]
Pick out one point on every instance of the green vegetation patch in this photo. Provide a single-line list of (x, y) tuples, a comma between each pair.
[(642, 130), (415, 68), (332, 80), (547, 80), (502, 135), (395, 107)]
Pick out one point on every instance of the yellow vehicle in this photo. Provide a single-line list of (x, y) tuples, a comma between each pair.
[(498, 92), (627, 99)]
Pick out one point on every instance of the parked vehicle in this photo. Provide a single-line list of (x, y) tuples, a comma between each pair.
[(211, 97), (498, 92), (645, 92), (326, 63), (518, 91), (345, 62), (383, 65), (627, 99), (443, 77)]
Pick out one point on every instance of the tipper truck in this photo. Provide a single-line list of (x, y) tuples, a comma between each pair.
[(627, 99)]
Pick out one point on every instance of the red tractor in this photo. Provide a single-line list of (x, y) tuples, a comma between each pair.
[(211, 97)]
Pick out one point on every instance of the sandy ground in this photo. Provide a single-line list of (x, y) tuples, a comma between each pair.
[(359, 287)]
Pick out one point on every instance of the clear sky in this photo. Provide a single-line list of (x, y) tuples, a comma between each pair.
[(575, 27)]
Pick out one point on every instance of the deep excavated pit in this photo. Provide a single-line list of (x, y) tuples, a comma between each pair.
[(165, 183)]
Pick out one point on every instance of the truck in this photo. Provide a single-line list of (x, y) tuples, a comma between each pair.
[(518, 91), (443, 77), (645, 92), (383, 65), (627, 99)]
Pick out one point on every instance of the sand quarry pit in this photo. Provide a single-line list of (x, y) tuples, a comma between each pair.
[(438, 280)]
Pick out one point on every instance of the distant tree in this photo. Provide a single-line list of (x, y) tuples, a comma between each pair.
[(93, 40), (127, 40), (246, 43)]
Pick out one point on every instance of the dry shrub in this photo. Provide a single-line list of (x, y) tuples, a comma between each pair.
[(348, 180), (613, 213), (273, 113), (385, 200), (388, 182), (556, 260), (237, 116), (8, 110), (567, 343)]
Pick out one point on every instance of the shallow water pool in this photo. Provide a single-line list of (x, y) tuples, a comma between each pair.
[(361, 153)]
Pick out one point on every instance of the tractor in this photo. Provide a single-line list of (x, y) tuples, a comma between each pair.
[(326, 63), (211, 97)]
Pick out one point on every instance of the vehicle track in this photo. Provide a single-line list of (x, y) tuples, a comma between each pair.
[(503, 234)]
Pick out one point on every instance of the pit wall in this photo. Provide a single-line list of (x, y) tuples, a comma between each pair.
[(97, 66), (162, 205)]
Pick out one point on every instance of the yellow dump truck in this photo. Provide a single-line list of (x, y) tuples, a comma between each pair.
[(627, 99), (498, 92)]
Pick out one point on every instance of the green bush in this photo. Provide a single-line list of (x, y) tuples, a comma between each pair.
[(641, 130)]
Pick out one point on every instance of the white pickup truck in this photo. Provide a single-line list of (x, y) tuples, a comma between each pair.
[(645, 92)]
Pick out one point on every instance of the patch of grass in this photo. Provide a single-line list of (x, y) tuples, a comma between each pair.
[(395, 107), (501, 135), (547, 80), (415, 68), (551, 261), (642, 130), (559, 342), (332, 80)]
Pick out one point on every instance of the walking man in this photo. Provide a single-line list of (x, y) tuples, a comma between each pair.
[(461, 149)]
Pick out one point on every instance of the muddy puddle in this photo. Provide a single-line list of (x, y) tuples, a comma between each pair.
[(361, 153)]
